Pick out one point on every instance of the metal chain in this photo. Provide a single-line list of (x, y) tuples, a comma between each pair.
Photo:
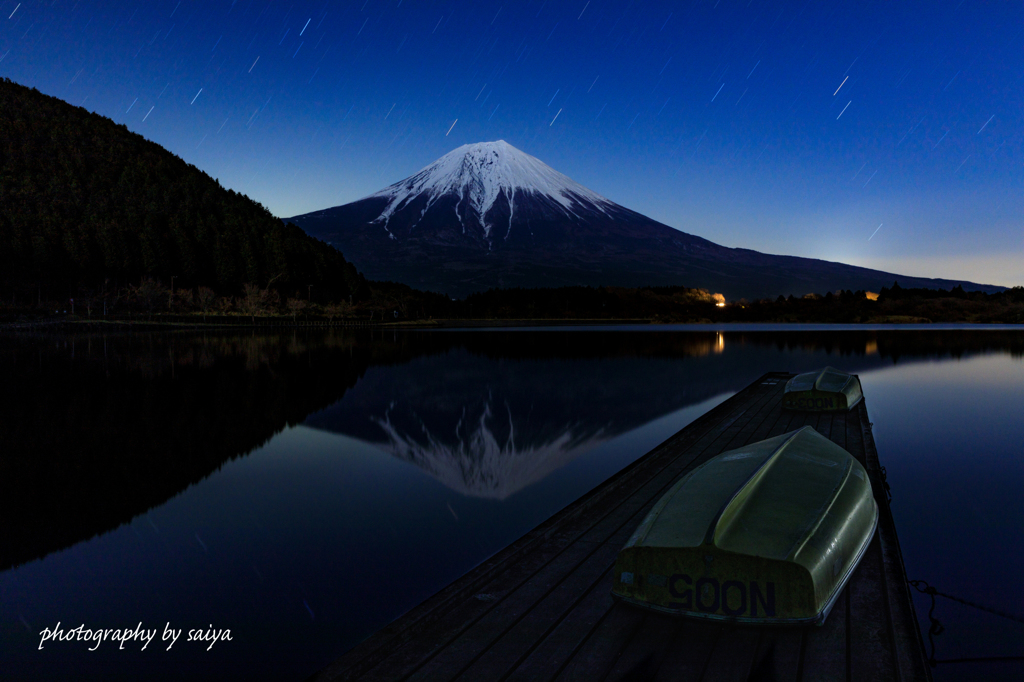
[(929, 590), (937, 628)]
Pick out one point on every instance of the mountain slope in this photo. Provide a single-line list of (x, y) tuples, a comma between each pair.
[(488, 215), (85, 200)]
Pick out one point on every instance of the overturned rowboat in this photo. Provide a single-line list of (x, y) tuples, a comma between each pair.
[(769, 533), (827, 390)]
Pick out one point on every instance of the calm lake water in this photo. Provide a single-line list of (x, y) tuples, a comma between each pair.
[(304, 489)]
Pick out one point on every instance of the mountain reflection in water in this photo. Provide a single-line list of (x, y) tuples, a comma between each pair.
[(429, 450), (488, 427), (98, 428)]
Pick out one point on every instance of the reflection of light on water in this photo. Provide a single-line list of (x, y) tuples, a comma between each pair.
[(719, 343), (871, 347), (955, 423)]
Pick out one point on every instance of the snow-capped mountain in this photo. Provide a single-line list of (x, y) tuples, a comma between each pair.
[(485, 179), (489, 215)]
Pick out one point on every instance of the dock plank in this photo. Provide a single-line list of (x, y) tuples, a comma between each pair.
[(733, 657), (869, 631), (511, 644), (551, 654), (646, 651), (690, 653), (905, 636), (869, 625), (603, 648), (826, 650), (545, 609), (449, 637), (782, 657), (824, 425)]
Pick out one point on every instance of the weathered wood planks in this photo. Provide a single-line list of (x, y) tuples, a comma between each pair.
[(542, 608)]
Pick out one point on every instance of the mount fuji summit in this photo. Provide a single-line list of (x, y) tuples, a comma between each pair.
[(489, 215)]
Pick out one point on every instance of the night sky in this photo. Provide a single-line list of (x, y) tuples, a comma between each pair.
[(884, 134)]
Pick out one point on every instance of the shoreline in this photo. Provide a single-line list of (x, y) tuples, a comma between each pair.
[(542, 324)]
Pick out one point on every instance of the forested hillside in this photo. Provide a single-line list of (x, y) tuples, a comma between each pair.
[(87, 204)]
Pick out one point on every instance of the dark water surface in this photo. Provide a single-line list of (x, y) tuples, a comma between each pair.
[(304, 489)]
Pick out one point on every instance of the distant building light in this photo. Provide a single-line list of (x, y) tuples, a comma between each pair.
[(872, 296), (721, 304)]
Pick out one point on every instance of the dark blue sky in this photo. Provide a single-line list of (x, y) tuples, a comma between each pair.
[(788, 127)]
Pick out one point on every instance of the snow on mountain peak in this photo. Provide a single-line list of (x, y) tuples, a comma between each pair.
[(480, 173)]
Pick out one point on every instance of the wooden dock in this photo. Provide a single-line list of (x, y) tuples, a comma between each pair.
[(541, 609)]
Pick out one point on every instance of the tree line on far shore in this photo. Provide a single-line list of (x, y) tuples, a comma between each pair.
[(387, 302), (152, 298), (687, 305)]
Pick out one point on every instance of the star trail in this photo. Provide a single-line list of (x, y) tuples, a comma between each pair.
[(787, 127)]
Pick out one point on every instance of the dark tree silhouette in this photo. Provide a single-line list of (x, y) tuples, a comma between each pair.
[(85, 201)]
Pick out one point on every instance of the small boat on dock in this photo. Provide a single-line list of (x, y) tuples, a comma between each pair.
[(544, 608), (767, 533), (827, 390)]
